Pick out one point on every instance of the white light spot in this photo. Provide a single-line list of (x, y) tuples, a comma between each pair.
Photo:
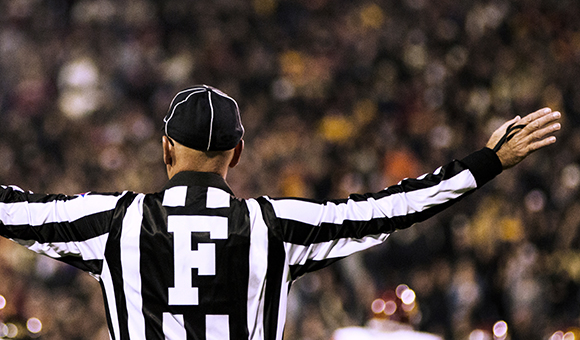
[(500, 329), (34, 325)]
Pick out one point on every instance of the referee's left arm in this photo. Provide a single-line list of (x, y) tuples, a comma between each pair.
[(316, 234)]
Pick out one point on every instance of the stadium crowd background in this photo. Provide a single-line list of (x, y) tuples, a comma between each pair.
[(337, 97)]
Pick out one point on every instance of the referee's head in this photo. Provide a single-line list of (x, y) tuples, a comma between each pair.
[(203, 131)]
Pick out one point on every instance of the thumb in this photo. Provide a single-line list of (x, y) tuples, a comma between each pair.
[(510, 122), (499, 132)]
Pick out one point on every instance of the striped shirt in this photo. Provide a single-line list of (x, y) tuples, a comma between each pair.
[(195, 262)]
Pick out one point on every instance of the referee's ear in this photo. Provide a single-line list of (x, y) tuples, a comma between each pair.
[(237, 154), (167, 154)]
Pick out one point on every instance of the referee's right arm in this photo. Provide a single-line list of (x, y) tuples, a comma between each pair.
[(71, 229)]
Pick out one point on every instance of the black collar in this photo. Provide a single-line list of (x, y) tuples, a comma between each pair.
[(194, 178)]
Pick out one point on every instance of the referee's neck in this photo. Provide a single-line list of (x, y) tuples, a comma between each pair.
[(178, 158)]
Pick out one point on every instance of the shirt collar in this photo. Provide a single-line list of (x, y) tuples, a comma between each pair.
[(194, 178)]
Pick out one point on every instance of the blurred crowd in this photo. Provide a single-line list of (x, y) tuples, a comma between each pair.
[(337, 97)]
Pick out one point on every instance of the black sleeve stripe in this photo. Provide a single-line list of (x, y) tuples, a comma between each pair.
[(62, 231), (304, 234)]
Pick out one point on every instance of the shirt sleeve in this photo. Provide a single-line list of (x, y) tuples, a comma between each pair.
[(317, 233), (72, 229)]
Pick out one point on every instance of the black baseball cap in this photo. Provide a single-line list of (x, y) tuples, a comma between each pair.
[(204, 118)]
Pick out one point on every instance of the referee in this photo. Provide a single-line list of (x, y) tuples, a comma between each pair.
[(193, 261)]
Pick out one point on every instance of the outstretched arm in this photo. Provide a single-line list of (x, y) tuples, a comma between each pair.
[(72, 229), (526, 135), (317, 233)]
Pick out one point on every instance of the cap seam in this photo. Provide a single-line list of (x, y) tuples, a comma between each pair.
[(219, 92), (211, 119), (194, 91)]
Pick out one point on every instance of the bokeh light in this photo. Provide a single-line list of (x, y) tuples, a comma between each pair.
[(34, 325), (571, 176), (12, 330), (535, 200), (479, 334), (390, 307), (408, 296), (500, 330), (400, 289), (378, 306)]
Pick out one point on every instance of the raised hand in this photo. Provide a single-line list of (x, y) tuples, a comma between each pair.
[(526, 135)]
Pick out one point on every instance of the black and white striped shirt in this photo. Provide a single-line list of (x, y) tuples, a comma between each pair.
[(194, 262)]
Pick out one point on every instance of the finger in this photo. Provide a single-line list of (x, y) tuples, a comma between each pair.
[(541, 122), (541, 144), (541, 133), (535, 115)]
